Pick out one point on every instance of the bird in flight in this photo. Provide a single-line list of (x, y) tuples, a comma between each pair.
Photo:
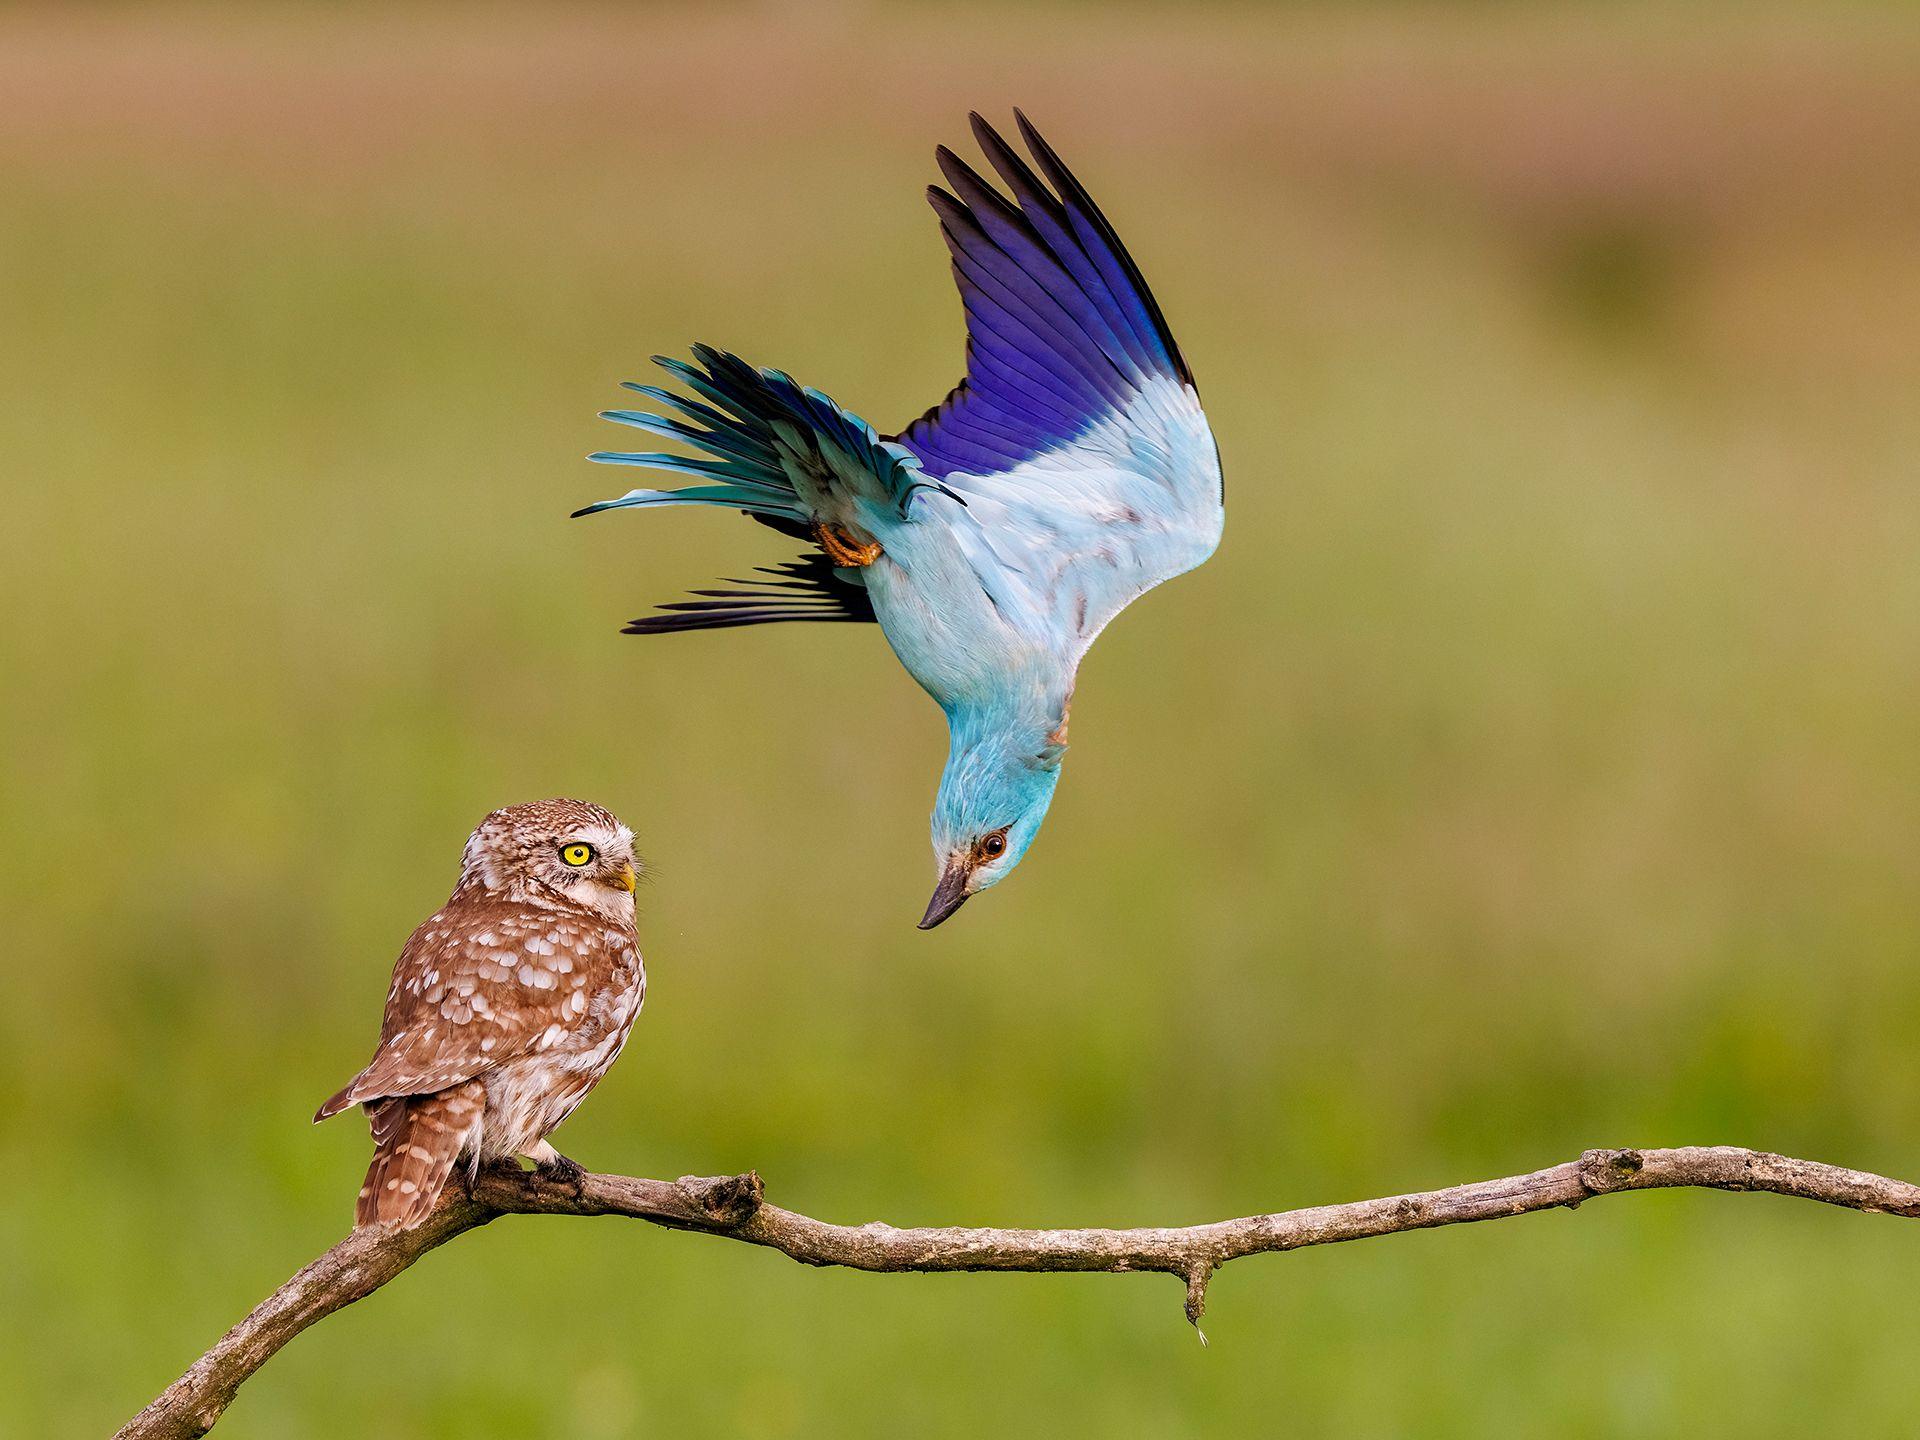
[(1068, 473)]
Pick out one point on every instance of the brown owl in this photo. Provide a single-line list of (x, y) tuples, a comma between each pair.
[(507, 1006)]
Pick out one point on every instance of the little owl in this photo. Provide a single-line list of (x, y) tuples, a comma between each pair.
[(507, 1006)]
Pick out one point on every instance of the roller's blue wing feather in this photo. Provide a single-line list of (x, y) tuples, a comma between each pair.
[(1077, 437), (1075, 444), (767, 444)]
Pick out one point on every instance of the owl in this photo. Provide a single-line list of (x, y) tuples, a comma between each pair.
[(507, 1006)]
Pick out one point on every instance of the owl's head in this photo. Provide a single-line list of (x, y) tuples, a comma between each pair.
[(553, 851)]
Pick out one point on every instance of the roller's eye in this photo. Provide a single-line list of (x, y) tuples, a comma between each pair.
[(577, 854), (994, 845)]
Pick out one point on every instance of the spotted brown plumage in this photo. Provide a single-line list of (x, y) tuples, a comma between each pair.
[(507, 1006)]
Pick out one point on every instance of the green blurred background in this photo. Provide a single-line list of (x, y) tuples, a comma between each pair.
[(1534, 768)]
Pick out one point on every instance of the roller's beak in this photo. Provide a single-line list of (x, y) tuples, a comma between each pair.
[(948, 896), (624, 878)]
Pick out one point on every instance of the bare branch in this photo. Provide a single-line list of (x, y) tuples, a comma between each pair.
[(733, 1207)]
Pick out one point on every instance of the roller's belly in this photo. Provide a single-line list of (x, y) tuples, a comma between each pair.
[(953, 636)]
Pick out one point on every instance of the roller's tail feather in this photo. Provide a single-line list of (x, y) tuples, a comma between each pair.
[(805, 589), (416, 1141)]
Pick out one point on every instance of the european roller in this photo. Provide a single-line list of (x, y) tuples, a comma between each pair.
[(1070, 472)]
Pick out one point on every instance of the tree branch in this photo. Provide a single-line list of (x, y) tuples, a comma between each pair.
[(733, 1207)]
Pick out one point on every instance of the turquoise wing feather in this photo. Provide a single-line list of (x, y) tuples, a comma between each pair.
[(768, 445)]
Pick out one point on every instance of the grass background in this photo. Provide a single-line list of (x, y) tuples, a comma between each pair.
[(1534, 767)]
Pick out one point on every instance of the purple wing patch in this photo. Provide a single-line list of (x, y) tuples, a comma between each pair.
[(1061, 328)]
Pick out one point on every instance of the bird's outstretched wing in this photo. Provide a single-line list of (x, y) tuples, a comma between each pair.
[(768, 445), (786, 455), (1076, 439), (1076, 442)]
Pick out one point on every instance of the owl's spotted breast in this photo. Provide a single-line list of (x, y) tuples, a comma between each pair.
[(529, 1095)]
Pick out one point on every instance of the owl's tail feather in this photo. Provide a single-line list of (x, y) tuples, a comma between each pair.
[(416, 1141)]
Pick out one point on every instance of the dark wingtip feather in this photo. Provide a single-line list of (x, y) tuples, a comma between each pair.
[(1075, 194), (983, 132), (802, 589), (947, 206)]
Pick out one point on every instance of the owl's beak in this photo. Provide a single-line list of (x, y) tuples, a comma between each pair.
[(948, 896), (625, 878)]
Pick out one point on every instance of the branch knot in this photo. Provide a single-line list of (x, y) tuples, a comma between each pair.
[(1604, 1171), (727, 1201)]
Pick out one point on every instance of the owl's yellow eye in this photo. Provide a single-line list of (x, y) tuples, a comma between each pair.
[(576, 854)]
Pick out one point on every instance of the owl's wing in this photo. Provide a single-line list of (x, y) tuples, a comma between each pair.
[(1076, 440), (477, 985)]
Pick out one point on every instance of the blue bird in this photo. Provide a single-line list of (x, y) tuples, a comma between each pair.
[(1071, 471)]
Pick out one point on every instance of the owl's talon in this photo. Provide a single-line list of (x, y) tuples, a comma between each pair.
[(562, 1171), (470, 1174)]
